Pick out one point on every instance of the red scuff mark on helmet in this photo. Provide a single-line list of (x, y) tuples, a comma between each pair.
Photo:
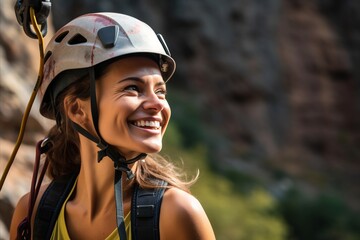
[(104, 20), (93, 47), (49, 74), (49, 70), (92, 55), (100, 21)]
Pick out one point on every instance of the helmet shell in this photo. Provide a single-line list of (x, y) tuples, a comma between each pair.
[(79, 45)]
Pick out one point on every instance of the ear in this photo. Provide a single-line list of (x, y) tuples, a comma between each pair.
[(75, 109)]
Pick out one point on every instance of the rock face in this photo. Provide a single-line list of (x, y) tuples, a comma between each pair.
[(322, 90), (275, 83)]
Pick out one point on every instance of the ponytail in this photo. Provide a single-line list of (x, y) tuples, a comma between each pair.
[(64, 156)]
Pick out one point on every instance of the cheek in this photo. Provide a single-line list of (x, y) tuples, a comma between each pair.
[(112, 115), (166, 113)]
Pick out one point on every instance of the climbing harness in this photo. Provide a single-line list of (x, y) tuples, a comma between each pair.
[(145, 208)]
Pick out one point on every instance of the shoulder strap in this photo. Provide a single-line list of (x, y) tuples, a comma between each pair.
[(145, 212), (50, 205)]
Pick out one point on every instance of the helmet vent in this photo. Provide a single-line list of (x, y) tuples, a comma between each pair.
[(77, 39), (61, 36), (48, 54)]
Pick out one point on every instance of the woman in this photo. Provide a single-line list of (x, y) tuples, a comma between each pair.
[(105, 85)]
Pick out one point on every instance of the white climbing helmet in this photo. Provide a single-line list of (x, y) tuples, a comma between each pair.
[(91, 39)]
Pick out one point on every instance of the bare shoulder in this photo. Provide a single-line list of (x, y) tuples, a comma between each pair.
[(19, 214), (21, 210), (183, 217)]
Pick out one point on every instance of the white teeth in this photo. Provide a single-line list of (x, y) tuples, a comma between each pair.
[(152, 124)]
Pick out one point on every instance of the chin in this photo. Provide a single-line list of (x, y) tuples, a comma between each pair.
[(151, 148)]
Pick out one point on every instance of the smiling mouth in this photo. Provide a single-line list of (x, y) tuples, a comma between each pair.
[(147, 124)]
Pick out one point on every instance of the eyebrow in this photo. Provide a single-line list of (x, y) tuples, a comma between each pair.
[(137, 79)]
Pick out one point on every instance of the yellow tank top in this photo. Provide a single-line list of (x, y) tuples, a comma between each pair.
[(60, 230)]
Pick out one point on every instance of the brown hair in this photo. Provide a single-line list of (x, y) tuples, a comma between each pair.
[(64, 156)]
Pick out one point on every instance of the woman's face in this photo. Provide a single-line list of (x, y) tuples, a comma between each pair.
[(133, 111)]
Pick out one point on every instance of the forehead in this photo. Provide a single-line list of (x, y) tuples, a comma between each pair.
[(133, 66)]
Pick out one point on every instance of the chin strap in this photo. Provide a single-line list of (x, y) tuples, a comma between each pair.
[(120, 163), (120, 166)]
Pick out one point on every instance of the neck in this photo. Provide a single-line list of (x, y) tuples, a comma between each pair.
[(95, 185)]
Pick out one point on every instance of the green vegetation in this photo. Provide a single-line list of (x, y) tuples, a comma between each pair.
[(234, 215), (326, 217), (239, 207)]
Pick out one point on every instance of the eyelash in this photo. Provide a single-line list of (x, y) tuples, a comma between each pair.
[(136, 88), (132, 88), (162, 91)]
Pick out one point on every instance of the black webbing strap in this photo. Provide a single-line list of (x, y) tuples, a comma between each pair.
[(50, 206), (93, 102), (120, 221), (145, 212), (120, 167), (145, 208)]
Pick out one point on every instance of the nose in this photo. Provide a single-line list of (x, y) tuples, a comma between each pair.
[(153, 102)]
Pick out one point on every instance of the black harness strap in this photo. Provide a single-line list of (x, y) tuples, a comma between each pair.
[(50, 206), (145, 211)]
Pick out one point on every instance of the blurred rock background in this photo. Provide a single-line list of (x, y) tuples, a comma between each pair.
[(266, 103)]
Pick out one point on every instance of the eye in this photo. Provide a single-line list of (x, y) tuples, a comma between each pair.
[(161, 92), (131, 88)]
